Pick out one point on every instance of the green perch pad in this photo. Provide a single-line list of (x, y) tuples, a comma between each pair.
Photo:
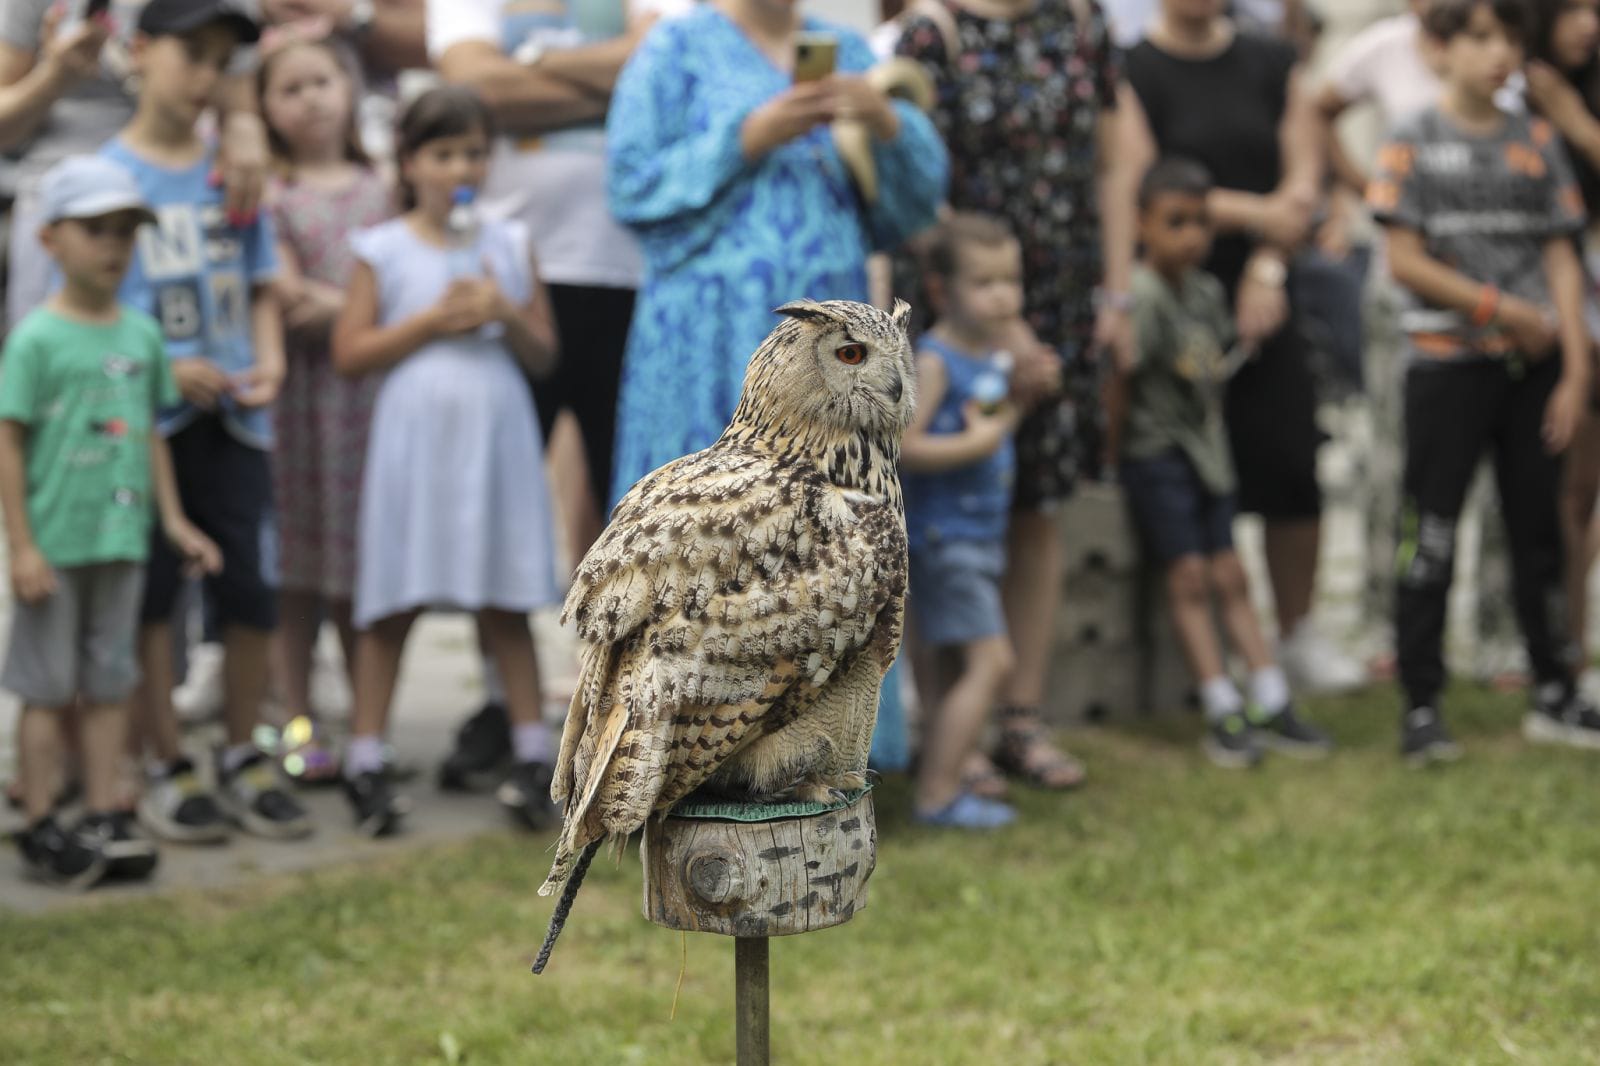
[(725, 811)]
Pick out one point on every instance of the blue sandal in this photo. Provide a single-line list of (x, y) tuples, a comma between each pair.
[(967, 811)]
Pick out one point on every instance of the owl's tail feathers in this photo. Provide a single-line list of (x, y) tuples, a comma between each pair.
[(558, 919)]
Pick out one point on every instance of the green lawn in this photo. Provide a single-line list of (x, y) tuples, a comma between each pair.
[(1345, 912)]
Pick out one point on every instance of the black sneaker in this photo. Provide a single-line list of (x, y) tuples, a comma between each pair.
[(130, 855), (71, 860), (257, 797), (525, 794), (1286, 732), (377, 806), (1565, 718), (1231, 744), (1424, 739), (178, 807), (482, 751)]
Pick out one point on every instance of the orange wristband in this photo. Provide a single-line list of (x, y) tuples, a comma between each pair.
[(1488, 304)]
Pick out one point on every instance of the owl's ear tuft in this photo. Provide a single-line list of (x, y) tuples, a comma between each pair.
[(900, 315), (806, 310)]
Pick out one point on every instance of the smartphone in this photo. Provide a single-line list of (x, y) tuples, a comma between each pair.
[(815, 55)]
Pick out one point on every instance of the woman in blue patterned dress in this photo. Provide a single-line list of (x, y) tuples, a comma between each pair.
[(726, 169)]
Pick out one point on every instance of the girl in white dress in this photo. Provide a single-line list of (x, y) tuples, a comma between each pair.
[(454, 508)]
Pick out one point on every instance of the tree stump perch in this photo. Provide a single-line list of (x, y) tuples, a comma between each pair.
[(753, 872)]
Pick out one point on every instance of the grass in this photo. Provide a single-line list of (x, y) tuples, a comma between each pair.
[(1343, 912)]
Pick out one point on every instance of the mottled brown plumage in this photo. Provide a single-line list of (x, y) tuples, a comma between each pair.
[(739, 612)]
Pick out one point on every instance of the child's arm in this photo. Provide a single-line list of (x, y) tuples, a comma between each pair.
[(1565, 410), (197, 548), (1528, 325), (931, 453), (259, 385), (31, 577), (309, 306), (530, 329), (361, 346)]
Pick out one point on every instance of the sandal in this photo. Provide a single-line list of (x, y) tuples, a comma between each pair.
[(967, 811), (981, 778), (1026, 752)]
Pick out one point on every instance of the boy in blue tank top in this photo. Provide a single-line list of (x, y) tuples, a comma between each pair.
[(958, 463)]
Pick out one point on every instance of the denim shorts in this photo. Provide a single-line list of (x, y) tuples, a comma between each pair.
[(1174, 512), (955, 591)]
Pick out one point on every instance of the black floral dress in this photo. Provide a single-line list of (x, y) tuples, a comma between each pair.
[(1019, 106)]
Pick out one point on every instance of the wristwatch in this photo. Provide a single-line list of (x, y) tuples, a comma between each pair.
[(1268, 270), (529, 52), (362, 13)]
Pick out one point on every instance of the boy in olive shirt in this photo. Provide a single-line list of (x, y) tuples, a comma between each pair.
[(1179, 476), (81, 464)]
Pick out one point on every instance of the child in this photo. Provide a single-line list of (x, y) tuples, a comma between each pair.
[(206, 277), (326, 190), (959, 461), (1480, 211), (80, 462), (454, 511), (1179, 477)]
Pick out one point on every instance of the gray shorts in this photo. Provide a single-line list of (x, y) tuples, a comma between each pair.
[(80, 640), (955, 591)]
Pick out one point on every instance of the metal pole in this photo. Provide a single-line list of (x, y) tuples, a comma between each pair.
[(750, 1000)]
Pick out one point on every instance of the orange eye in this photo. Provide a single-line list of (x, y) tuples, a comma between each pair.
[(851, 354)]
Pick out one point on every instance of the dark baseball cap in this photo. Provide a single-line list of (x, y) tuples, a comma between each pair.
[(174, 18)]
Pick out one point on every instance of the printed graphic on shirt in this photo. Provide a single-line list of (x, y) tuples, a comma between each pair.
[(194, 260)]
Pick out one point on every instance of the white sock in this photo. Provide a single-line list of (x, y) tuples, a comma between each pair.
[(363, 755), (1269, 689), (236, 755), (531, 742), (1220, 698), (494, 689)]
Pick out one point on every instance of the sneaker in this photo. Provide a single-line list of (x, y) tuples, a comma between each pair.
[(129, 853), (1568, 718), (1315, 664), (256, 797), (178, 807), (1286, 732), (1424, 739), (377, 806), (525, 794), (200, 697), (482, 751), (1231, 744), (51, 854), (967, 811)]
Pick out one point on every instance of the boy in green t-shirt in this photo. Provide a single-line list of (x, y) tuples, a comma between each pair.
[(81, 463), (1179, 477)]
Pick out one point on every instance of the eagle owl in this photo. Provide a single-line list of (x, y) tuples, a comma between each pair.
[(738, 614)]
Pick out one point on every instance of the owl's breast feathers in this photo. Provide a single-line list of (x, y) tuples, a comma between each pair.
[(731, 587)]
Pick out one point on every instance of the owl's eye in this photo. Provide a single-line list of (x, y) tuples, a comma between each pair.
[(851, 354)]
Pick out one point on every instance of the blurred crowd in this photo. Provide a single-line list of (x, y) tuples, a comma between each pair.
[(328, 313)]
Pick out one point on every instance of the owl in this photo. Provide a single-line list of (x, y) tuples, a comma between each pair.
[(738, 614)]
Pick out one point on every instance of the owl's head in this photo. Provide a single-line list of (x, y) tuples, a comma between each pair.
[(840, 364)]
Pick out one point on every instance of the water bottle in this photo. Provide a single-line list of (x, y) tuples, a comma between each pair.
[(991, 387), (463, 231)]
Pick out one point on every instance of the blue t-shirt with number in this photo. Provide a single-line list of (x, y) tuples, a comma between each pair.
[(195, 272)]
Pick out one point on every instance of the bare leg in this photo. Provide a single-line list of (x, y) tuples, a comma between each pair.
[(293, 644), (510, 643), (957, 725), (1292, 548), (105, 728), (244, 679), (39, 755), (1232, 587), (1580, 485), (154, 720), (378, 653), (340, 614), (1190, 603), (1031, 591)]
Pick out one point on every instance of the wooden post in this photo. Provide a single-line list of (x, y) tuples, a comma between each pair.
[(725, 870)]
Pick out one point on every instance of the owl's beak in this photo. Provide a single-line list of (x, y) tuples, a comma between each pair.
[(896, 388)]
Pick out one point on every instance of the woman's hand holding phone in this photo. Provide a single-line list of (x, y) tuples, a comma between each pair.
[(792, 113)]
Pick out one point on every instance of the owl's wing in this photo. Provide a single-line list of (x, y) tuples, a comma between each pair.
[(729, 587)]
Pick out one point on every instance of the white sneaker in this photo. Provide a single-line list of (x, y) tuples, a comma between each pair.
[(1316, 665), (200, 698), (330, 689)]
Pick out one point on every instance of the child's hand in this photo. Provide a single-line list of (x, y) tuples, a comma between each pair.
[(1531, 328), (32, 579), (200, 554), (468, 305), (1563, 413), (311, 305), (200, 381), (991, 427), (256, 387)]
